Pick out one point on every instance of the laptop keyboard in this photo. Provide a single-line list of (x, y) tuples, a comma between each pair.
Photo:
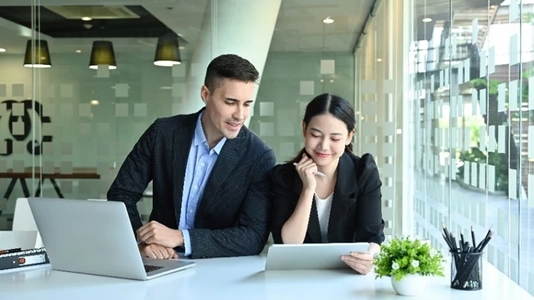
[(149, 268)]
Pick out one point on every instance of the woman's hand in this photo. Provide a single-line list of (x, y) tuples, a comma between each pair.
[(359, 261), (306, 168), (362, 263)]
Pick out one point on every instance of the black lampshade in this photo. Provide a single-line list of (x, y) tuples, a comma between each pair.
[(167, 51), (37, 55), (102, 54)]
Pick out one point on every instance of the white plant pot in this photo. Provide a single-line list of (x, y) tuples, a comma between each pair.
[(409, 285)]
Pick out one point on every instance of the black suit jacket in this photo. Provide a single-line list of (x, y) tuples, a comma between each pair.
[(232, 218), (356, 212)]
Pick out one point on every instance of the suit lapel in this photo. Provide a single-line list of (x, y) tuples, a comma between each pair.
[(344, 197), (228, 159), (182, 139)]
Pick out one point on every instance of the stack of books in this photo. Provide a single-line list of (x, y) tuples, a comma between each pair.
[(17, 258)]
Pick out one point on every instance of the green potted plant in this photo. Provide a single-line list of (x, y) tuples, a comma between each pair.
[(408, 261)]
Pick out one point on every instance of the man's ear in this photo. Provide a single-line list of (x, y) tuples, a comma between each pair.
[(204, 93)]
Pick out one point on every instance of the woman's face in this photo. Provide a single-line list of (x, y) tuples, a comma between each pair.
[(325, 138)]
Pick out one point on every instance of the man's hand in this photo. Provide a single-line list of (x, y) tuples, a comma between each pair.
[(156, 233), (157, 251)]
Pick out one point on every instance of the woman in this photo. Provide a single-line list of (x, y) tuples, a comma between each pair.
[(343, 206)]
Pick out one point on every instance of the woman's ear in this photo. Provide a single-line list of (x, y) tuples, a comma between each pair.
[(303, 129), (351, 135)]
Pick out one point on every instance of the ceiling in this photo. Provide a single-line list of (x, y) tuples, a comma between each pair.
[(462, 12), (65, 21), (299, 26), (127, 35)]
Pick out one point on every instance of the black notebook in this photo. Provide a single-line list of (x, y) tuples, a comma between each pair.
[(23, 258)]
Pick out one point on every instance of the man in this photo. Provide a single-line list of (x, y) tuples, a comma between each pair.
[(209, 173)]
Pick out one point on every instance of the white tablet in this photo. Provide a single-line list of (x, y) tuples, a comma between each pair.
[(310, 256)]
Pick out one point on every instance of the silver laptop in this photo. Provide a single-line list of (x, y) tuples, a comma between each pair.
[(310, 256), (95, 237)]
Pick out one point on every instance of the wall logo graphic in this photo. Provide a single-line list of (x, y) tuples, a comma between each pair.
[(8, 136)]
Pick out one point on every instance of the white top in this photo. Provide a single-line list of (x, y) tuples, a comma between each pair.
[(242, 278), (323, 212)]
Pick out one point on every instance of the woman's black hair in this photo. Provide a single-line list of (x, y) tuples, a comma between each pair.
[(329, 104)]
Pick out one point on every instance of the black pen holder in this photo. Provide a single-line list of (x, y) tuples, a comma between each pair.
[(466, 271)]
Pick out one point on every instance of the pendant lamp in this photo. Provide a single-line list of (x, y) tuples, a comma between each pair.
[(102, 54), (37, 55), (167, 51)]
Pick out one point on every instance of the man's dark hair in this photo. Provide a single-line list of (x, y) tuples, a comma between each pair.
[(229, 66)]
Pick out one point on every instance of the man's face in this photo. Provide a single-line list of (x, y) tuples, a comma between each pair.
[(227, 108)]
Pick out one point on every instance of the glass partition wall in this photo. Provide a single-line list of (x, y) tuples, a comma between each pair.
[(472, 67), (79, 84), (82, 80)]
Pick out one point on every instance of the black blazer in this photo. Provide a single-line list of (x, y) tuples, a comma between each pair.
[(232, 218), (356, 213)]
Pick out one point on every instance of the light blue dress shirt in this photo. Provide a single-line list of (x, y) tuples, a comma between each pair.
[(200, 162)]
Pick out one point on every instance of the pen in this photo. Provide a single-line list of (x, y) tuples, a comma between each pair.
[(453, 239), (316, 173), (473, 237), (10, 251)]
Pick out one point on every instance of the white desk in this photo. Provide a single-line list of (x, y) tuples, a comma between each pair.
[(239, 278)]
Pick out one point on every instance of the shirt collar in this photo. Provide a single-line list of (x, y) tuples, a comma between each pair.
[(200, 138)]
